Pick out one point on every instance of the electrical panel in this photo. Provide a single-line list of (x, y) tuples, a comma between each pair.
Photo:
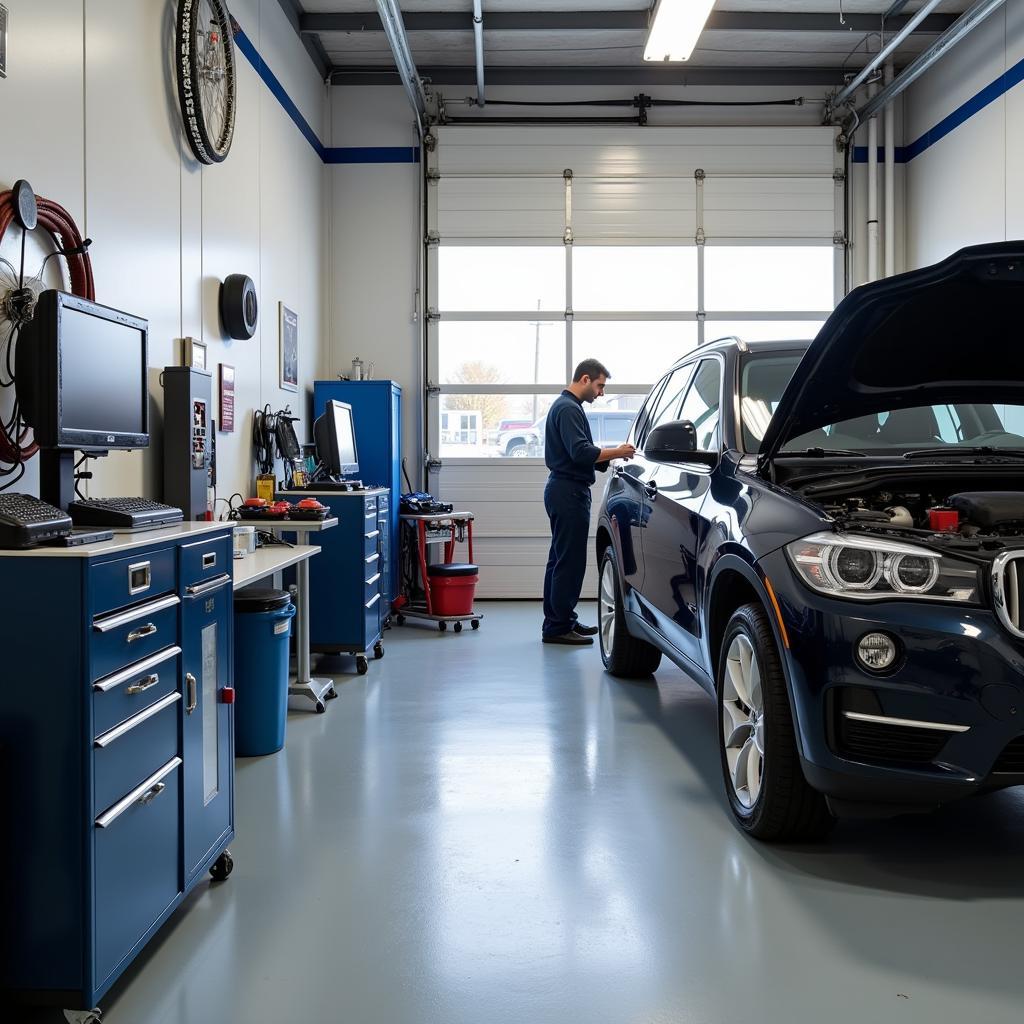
[(188, 439)]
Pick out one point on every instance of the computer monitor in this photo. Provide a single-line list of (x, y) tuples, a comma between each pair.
[(335, 439), (80, 373)]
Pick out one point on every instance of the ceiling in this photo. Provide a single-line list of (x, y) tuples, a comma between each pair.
[(538, 42)]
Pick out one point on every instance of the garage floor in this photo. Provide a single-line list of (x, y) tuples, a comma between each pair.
[(485, 829)]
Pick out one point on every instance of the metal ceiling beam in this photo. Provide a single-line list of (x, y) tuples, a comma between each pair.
[(585, 21), (391, 18), (640, 75)]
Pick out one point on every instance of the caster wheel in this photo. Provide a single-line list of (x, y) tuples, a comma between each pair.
[(321, 707), (222, 867), (331, 694), (93, 1016), (378, 651), (362, 665), (475, 623), (458, 627), (442, 626), (400, 620)]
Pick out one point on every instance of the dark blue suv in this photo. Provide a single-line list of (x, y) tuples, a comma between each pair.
[(829, 537)]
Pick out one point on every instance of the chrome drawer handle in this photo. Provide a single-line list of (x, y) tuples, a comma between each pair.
[(109, 682), (143, 684), (205, 588), (372, 558), (143, 631), (139, 794), (192, 686), (209, 560), (373, 579), (370, 515), (140, 577), (143, 716), (123, 618), (370, 536), (373, 601)]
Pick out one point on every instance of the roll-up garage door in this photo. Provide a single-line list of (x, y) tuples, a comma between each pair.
[(549, 244)]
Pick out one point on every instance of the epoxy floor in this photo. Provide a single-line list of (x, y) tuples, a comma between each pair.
[(488, 830)]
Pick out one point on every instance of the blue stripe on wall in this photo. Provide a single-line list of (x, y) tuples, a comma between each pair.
[(341, 155)]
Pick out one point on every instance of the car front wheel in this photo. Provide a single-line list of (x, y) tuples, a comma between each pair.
[(622, 654), (769, 796)]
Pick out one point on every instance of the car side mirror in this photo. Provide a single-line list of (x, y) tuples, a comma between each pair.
[(676, 442)]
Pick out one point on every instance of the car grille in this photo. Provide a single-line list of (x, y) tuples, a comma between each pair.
[(1011, 760), (1008, 591), (876, 741)]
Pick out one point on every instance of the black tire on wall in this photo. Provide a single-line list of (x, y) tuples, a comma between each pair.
[(239, 307)]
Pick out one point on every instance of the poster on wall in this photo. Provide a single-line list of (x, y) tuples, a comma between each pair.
[(289, 348), (227, 398)]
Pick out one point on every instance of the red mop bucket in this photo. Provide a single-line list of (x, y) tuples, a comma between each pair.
[(452, 588)]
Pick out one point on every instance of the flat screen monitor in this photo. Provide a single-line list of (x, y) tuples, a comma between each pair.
[(80, 372), (335, 437)]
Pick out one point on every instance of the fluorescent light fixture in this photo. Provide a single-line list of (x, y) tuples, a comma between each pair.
[(675, 28)]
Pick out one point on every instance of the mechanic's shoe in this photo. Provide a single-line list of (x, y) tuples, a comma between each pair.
[(571, 639), (585, 630)]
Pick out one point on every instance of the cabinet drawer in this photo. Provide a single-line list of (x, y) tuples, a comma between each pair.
[(120, 695), (371, 538), (204, 560), (125, 755), (131, 635), (137, 843), (132, 580)]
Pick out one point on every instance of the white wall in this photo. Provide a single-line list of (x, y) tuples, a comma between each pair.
[(90, 119), (962, 189)]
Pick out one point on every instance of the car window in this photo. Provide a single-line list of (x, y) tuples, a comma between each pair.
[(703, 402), (640, 423), (666, 407), (763, 379)]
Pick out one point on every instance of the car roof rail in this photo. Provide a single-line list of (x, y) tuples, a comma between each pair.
[(740, 343)]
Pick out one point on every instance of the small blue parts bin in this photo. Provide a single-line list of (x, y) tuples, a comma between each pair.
[(262, 629)]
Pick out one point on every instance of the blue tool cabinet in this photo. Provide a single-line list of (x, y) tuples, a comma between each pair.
[(377, 415), (116, 750), (349, 580)]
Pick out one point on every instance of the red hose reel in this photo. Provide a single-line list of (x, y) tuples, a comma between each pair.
[(67, 239)]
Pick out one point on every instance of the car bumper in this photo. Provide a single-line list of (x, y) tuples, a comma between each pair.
[(947, 721)]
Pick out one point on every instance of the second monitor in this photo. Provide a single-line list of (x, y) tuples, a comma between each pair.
[(335, 439)]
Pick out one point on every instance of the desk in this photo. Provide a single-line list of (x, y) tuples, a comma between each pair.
[(273, 558), (305, 685)]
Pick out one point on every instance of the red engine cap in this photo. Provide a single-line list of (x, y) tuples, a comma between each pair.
[(944, 520)]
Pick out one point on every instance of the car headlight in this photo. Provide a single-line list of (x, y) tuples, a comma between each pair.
[(870, 568)]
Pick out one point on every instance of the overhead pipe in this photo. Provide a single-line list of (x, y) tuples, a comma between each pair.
[(883, 54), (960, 28), (394, 29), (478, 39), (889, 267), (872, 195)]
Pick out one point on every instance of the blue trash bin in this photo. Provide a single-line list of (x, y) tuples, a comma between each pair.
[(262, 628)]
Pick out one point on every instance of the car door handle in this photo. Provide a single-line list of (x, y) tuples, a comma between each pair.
[(651, 490)]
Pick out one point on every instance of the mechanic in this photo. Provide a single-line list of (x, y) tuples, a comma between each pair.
[(572, 457)]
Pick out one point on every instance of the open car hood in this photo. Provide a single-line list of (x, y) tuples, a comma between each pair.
[(947, 333)]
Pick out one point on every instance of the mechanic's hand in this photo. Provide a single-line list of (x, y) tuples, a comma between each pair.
[(625, 451)]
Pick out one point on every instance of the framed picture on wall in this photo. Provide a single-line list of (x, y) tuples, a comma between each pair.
[(289, 348), (193, 353)]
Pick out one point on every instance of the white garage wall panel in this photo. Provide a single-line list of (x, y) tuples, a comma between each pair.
[(629, 186), (90, 118)]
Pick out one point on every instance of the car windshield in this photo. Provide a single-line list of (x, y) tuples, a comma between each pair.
[(952, 426)]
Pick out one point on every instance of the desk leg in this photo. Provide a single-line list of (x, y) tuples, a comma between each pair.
[(316, 690)]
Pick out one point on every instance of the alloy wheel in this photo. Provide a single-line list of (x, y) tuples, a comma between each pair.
[(743, 720), (606, 607)]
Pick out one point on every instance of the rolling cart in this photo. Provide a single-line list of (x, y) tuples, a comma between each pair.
[(418, 533)]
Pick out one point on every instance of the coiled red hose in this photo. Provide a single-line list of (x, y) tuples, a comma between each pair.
[(61, 227)]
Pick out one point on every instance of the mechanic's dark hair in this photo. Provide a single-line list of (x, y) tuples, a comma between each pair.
[(591, 368)]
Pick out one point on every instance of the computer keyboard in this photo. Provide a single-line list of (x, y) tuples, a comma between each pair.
[(130, 513), (25, 520)]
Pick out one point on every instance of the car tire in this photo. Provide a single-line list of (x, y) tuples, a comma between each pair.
[(622, 654), (517, 450), (769, 796)]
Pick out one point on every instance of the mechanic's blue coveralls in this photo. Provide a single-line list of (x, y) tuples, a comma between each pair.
[(570, 454)]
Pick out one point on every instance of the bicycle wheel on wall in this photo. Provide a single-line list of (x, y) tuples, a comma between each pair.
[(205, 63)]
